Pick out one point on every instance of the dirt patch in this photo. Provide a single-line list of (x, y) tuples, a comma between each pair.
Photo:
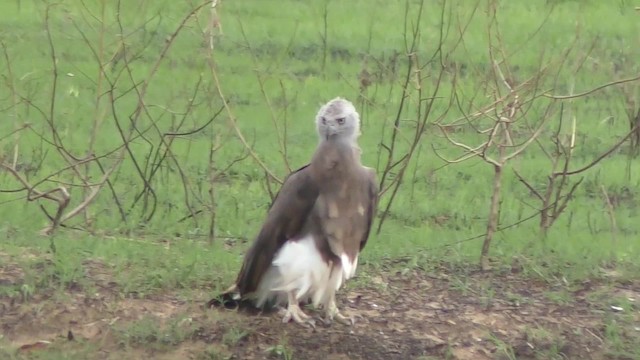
[(411, 316)]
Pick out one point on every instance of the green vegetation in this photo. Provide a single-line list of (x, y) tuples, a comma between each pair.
[(134, 109)]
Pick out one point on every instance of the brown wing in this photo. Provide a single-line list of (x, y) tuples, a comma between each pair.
[(286, 217), (372, 207)]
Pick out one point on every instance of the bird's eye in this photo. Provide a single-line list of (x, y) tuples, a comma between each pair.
[(341, 121), (324, 121)]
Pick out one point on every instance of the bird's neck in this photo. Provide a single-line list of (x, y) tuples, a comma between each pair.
[(345, 143)]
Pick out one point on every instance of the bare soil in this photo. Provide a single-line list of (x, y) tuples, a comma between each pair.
[(403, 316)]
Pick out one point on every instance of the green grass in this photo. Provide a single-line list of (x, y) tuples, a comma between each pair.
[(273, 67), (140, 267), (150, 331)]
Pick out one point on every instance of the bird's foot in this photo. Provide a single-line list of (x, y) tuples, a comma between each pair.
[(332, 313), (295, 313), (344, 320)]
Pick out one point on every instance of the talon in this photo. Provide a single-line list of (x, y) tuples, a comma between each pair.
[(349, 321), (326, 321), (344, 320), (295, 313), (333, 313)]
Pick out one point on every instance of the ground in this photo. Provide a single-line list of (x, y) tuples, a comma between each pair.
[(441, 313)]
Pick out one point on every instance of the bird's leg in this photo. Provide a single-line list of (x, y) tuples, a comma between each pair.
[(332, 312), (294, 312)]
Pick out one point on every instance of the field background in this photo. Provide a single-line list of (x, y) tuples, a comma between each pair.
[(188, 192)]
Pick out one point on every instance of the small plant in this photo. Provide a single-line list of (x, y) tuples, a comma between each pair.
[(545, 343), (150, 331), (234, 335), (503, 348), (488, 296), (561, 297), (516, 299), (26, 291), (281, 351), (212, 353)]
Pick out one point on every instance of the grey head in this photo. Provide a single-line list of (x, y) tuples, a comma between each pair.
[(338, 120)]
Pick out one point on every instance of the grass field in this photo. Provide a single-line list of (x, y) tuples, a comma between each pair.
[(129, 100)]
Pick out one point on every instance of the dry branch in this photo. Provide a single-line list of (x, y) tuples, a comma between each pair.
[(34, 194), (504, 111), (109, 87), (420, 98)]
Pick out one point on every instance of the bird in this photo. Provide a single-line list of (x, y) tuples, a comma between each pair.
[(315, 228)]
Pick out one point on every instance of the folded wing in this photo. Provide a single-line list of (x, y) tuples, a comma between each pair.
[(285, 220)]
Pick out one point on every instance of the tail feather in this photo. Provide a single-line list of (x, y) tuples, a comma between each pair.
[(230, 299), (225, 300)]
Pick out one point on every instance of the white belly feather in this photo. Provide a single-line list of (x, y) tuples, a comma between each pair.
[(298, 267)]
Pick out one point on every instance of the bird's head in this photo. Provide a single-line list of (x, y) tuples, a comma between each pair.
[(338, 119)]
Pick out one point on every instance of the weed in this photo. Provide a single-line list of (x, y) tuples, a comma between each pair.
[(560, 297), (503, 349), (212, 353), (282, 351), (488, 294), (462, 285), (233, 336), (151, 332), (546, 344), (516, 299)]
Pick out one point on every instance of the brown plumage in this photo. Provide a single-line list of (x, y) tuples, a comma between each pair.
[(316, 226)]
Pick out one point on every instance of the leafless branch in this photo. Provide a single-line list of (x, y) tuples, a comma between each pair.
[(594, 90)]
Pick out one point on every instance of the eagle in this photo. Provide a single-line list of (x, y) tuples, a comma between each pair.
[(315, 228)]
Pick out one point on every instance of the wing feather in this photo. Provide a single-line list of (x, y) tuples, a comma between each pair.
[(285, 219), (372, 207)]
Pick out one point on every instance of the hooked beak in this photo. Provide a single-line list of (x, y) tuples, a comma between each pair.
[(332, 130)]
